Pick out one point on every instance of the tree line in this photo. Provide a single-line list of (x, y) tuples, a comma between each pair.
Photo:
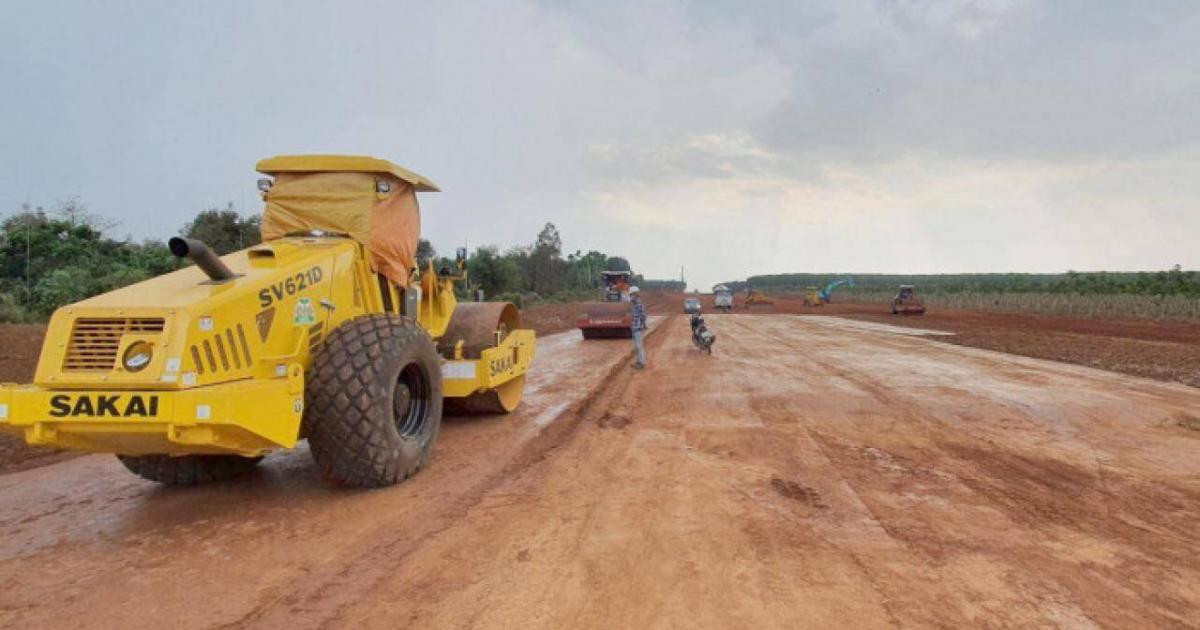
[(1174, 281), (540, 271), (49, 258)]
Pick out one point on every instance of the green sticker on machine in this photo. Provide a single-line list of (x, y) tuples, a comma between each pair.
[(304, 314)]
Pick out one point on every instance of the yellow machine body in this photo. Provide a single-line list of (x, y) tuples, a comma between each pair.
[(756, 298), (227, 361), (812, 297)]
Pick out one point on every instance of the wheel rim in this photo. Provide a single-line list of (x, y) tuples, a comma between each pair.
[(411, 401)]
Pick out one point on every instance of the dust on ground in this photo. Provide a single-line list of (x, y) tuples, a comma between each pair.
[(806, 475), (1162, 350), (1167, 351)]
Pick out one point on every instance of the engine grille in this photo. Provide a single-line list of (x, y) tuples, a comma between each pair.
[(95, 340)]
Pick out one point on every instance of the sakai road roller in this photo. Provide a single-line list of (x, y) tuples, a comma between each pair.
[(327, 331)]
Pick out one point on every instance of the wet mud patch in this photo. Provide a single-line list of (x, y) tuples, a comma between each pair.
[(798, 492), (1032, 489), (1189, 422)]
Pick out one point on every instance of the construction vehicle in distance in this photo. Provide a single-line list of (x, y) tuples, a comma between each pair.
[(754, 297), (326, 331), (908, 302), (826, 294), (613, 317), (820, 297), (812, 297), (722, 298)]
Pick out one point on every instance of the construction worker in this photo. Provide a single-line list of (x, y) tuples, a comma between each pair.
[(623, 289), (639, 325)]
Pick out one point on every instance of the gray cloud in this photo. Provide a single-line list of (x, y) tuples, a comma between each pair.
[(729, 138)]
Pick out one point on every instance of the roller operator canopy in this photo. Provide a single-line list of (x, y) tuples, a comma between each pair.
[(343, 163), (373, 201)]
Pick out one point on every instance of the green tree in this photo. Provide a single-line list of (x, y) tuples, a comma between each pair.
[(545, 269), (425, 253), (48, 260), (494, 273), (616, 263), (584, 269), (63, 286), (224, 230)]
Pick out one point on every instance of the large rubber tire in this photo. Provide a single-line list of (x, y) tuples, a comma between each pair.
[(373, 401), (189, 470)]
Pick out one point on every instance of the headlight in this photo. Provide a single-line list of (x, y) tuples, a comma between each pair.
[(383, 186), (265, 184), (137, 356)]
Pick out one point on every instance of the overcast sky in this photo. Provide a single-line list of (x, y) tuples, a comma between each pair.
[(731, 138)]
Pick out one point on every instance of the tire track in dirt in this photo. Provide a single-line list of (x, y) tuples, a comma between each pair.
[(602, 520), (152, 537), (799, 477), (1041, 493), (322, 596)]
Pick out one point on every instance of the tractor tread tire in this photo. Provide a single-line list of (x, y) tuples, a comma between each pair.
[(348, 415), (189, 470)]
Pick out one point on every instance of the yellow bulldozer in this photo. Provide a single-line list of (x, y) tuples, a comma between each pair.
[(327, 331), (754, 297), (812, 297)]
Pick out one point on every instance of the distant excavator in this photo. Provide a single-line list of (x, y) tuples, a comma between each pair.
[(820, 297)]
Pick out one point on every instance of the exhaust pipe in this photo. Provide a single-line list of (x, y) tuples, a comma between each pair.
[(199, 253)]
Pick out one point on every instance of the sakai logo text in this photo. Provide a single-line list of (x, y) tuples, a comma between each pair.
[(500, 366), (115, 406), (291, 286)]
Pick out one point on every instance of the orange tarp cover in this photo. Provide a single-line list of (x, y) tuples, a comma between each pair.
[(388, 224)]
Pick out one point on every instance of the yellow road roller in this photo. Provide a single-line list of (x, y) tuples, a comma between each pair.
[(327, 331)]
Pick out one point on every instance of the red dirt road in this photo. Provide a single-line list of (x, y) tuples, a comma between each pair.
[(814, 472), (1163, 350)]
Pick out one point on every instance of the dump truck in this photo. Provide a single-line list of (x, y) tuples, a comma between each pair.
[(611, 318), (327, 331), (723, 298), (907, 301)]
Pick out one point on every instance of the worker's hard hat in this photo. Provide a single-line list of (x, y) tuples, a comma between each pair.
[(633, 289)]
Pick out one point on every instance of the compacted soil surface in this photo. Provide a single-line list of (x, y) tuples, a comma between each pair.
[(1163, 350), (814, 472)]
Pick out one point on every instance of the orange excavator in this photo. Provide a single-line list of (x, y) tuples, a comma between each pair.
[(613, 317)]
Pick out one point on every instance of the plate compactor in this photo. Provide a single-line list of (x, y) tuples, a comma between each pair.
[(326, 331)]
